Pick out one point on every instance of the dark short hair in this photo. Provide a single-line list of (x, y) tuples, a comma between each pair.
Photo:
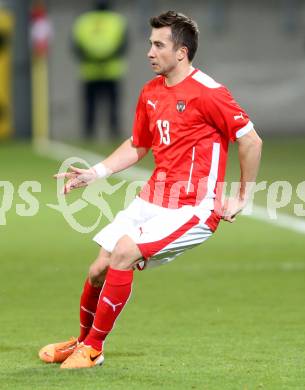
[(184, 30)]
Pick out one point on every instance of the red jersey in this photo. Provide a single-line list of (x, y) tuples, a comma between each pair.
[(188, 127)]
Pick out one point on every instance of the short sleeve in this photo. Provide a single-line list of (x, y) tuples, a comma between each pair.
[(225, 114), (141, 136)]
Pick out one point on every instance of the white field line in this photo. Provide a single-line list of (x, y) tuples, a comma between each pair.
[(286, 221), (260, 266), (60, 151)]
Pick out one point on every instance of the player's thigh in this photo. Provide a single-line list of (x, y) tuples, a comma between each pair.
[(125, 255)]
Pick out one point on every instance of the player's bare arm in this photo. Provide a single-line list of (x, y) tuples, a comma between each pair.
[(125, 156), (249, 154), (122, 158)]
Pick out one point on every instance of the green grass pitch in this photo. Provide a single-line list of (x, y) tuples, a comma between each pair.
[(228, 315)]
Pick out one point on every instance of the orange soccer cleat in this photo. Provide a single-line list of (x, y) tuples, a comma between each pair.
[(57, 353), (84, 356)]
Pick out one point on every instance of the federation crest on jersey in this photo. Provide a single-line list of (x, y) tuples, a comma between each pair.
[(180, 105)]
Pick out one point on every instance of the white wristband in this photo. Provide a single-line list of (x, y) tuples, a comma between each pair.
[(101, 170)]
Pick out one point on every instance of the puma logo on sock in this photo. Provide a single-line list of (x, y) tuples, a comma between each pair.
[(106, 300)]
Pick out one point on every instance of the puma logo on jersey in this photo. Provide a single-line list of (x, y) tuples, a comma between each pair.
[(152, 103), (240, 116), (106, 300)]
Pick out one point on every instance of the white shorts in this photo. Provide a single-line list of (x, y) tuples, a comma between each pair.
[(160, 233)]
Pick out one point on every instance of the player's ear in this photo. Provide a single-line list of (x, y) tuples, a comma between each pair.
[(182, 53)]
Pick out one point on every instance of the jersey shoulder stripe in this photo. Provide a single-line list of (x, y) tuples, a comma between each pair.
[(205, 80)]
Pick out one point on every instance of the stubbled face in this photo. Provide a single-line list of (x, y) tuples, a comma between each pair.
[(162, 55)]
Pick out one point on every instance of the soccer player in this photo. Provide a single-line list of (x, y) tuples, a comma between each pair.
[(187, 119)]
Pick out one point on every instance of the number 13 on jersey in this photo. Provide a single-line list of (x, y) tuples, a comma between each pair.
[(163, 127)]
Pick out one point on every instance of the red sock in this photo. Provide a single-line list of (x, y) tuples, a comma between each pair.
[(88, 303), (114, 296)]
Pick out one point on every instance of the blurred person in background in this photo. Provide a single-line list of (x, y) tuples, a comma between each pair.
[(41, 29), (100, 42)]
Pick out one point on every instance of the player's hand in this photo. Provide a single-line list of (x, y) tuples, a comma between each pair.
[(77, 178), (232, 207)]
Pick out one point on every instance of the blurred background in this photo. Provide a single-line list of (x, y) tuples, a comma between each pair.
[(256, 48)]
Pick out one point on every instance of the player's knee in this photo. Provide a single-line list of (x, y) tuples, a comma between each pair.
[(97, 274)]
